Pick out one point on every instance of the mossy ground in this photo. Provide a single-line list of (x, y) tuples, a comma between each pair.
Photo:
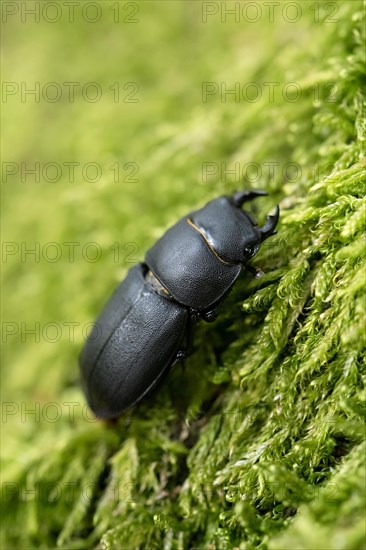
[(259, 440)]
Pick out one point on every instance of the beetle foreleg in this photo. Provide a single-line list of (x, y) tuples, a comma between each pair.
[(256, 271)]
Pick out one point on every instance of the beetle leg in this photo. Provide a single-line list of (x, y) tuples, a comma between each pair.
[(256, 271), (181, 355), (192, 320), (209, 316), (187, 348)]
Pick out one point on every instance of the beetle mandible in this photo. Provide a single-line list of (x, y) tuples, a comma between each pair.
[(186, 274)]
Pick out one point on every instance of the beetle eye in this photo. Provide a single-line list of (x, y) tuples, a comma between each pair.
[(248, 250)]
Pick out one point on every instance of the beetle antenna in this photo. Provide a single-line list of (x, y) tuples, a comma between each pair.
[(269, 228), (241, 197)]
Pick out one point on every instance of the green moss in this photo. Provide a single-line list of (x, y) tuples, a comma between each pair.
[(259, 440)]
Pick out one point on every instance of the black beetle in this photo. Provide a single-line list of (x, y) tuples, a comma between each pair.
[(145, 326)]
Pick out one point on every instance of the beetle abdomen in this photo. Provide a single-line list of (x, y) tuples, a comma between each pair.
[(189, 268), (121, 361)]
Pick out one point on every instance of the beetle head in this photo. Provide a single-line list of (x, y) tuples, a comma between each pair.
[(231, 232), (261, 233)]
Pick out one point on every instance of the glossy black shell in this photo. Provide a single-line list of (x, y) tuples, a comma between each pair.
[(143, 328), (200, 257), (136, 337)]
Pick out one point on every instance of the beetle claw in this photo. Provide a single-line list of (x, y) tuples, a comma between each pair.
[(256, 271), (241, 197)]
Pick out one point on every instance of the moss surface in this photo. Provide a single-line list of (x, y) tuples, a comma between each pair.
[(259, 440)]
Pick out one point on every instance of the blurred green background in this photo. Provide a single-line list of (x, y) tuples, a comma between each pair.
[(139, 152), (168, 53)]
